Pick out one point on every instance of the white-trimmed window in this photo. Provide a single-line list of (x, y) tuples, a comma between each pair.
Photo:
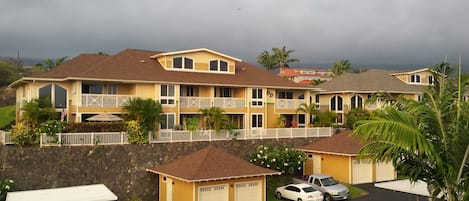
[(167, 94), (337, 106), (257, 121), (56, 94), (414, 78), (167, 121), (218, 65), (257, 97), (189, 91), (183, 63), (285, 95), (356, 102)]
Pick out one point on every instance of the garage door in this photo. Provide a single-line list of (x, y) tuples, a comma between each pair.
[(213, 193), (362, 172), (384, 171), (249, 191)]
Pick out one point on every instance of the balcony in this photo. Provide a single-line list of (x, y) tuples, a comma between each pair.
[(288, 103), (205, 102), (104, 100), (194, 102)]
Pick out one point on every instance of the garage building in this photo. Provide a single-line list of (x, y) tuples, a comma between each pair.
[(337, 156), (211, 174)]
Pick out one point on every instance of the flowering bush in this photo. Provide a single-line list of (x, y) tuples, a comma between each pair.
[(135, 134), (22, 134), (51, 127), (5, 186), (279, 158)]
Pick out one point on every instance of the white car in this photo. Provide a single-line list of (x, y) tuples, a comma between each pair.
[(299, 192)]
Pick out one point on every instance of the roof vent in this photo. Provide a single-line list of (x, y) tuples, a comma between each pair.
[(142, 61)]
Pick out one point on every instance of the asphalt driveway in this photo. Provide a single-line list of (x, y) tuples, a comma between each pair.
[(379, 194)]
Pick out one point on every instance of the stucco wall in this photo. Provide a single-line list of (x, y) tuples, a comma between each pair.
[(121, 167)]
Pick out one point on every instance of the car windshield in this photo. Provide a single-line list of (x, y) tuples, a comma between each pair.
[(308, 189), (329, 181)]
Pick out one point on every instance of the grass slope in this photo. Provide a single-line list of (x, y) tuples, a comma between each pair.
[(7, 116)]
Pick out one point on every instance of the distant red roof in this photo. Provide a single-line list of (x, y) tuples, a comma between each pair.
[(339, 144), (211, 164)]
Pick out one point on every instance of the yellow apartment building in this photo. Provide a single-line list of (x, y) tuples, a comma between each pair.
[(182, 81)]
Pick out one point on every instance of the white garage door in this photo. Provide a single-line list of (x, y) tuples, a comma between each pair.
[(213, 193), (384, 171), (249, 191), (362, 171)]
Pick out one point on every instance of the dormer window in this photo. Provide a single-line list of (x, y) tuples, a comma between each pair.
[(183, 63), (414, 78), (218, 65)]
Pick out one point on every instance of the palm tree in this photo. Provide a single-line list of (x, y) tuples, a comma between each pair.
[(310, 109), (145, 111), (282, 56), (214, 118), (267, 60), (49, 63), (426, 140), (38, 111), (341, 67)]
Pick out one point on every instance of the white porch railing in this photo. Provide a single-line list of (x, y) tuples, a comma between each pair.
[(104, 100), (5, 138), (241, 134), (229, 102), (79, 139), (288, 103), (194, 102)]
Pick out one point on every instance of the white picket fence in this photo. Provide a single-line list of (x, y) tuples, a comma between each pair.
[(168, 136), (241, 134), (5, 138)]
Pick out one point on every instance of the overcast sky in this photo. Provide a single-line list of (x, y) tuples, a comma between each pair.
[(367, 32)]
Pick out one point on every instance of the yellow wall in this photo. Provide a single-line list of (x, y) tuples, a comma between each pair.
[(308, 167), (145, 91), (201, 61), (336, 166), (181, 189)]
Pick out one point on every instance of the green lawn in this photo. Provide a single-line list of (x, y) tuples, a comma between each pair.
[(7, 116), (275, 181)]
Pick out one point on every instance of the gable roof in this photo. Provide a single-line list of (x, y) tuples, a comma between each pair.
[(338, 144), (136, 66), (211, 164), (370, 81)]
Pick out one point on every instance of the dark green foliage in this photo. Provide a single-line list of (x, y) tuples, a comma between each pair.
[(51, 127), (216, 119), (8, 73), (355, 115), (146, 112), (324, 119), (38, 111), (6, 185), (94, 127)]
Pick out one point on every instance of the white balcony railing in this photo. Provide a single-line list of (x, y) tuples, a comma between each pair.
[(288, 103), (229, 102), (104, 100), (194, 102)]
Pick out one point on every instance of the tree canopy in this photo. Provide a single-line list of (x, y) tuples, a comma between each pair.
[(278, 57), (426, 140)]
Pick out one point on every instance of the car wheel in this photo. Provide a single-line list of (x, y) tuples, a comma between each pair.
[(299, 199), (278, 195), (327, 197)]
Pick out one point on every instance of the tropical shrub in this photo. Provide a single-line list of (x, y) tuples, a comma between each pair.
[(356, 114), (146, 112), (192, 124), (22, 134), (51, 127), (325, 119), (6, 185), (94, 127), (135, 134), (38, 111), (279, 158), (216, 119)]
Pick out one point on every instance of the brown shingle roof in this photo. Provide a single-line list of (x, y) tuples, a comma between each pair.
[(137, 66), (211, 164), (370, 81), (339, 144)]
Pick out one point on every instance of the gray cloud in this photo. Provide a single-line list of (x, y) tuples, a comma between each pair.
[(321, 31)]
